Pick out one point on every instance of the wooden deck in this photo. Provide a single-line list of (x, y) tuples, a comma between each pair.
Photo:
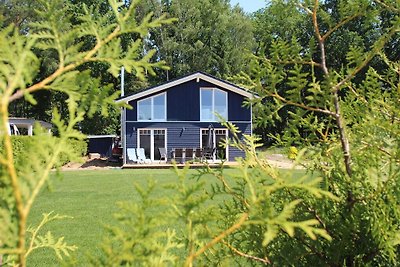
[(163, 165)]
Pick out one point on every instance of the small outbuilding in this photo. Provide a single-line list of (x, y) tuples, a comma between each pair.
[(24, 126), (101, 144)]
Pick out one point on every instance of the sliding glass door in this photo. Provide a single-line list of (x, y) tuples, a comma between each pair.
[(215, 138), (151, 140)]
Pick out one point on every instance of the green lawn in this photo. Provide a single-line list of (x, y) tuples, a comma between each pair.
[(89, 197)]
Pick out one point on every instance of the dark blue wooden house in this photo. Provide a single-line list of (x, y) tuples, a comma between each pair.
[(179, 114)]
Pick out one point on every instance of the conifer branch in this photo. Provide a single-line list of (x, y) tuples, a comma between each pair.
[(387, 6), (288, 62), (377, 48), (43, 178), (33, 237), (265, 261), (315, 20), (193, 256), (339, 119), (320, 255), (61, 69), (14, 183), (353, 90), (296, 104), (10, 251), (381, 149), (309, 11), (231, 192), (40, 85), (340, 24)]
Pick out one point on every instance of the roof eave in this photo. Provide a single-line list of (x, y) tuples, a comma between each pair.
[(197, 75)]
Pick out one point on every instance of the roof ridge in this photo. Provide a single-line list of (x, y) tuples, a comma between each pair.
[(205, 76)]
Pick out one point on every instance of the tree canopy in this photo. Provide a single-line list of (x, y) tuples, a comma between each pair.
[(208, 36)]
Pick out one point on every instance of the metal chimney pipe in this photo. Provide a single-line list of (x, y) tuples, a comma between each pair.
[(122, 81)]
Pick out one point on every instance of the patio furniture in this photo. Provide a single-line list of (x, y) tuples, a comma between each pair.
[(178, 154), (208, 153), (198, 153), (132, 157), (163, 154), (141, 156), (189, 154)]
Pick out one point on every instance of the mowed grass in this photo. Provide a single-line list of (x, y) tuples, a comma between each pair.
[(90, 197)]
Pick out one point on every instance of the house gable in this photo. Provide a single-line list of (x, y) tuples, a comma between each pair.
[(183, 99), (183, 103), (198, 76)]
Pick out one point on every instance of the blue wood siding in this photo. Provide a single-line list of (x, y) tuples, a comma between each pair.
[(181, 134), (236, 110), (131, 135), (183, 103), (131, 114)]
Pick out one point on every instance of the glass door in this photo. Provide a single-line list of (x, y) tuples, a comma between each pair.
[(220, 136), (145, 142), (217, 141), (151, 140), (159, 142)]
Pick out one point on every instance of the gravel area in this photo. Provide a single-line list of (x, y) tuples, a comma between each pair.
[(281, 161), (277, 160)]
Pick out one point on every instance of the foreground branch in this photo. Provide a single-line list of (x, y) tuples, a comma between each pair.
[(339, 119), (266, 261), (193, 256), (9, 165)]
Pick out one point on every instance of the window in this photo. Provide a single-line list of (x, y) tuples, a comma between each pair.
[(152, 108), (213, 101)]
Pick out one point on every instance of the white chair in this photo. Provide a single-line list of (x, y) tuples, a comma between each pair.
[(142, 156), (132, 157)]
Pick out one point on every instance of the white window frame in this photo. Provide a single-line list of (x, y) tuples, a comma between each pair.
[(214, 139), (152, 107), (214, 119)]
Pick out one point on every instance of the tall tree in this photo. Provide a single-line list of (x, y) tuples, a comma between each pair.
[(288, 21), (208, 36), (23, 14)]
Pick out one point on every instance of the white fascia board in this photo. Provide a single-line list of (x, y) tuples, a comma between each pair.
[(196, 76), (22, 122), (226, 86), (101, 136)]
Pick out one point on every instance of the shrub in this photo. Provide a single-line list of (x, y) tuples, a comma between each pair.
[(78, 146), (20, 143)]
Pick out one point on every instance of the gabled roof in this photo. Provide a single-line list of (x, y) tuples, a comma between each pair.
[(198, 76), (24, 122)]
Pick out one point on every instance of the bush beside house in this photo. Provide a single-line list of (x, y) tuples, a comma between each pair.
[(20, 143)]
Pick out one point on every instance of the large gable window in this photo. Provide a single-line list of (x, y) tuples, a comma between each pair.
[(152, 108), (213, 101)]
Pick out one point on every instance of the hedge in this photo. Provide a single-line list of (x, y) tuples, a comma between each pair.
[(21, 142)]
